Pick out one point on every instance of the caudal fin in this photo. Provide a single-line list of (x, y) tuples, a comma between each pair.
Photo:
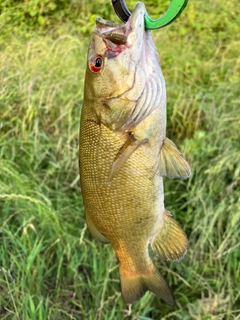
[(135, 285)]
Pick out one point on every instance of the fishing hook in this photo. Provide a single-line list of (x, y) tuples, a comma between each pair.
[(174, 10)]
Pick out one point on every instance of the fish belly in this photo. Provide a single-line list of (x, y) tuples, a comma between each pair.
[(128, 210)]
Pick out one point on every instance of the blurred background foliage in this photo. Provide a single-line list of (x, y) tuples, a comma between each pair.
[(50, 266), (35, 13)]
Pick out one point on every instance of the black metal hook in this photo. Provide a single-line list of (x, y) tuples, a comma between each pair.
[(121, 9)]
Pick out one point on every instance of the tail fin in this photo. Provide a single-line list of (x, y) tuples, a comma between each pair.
[(135, 285)]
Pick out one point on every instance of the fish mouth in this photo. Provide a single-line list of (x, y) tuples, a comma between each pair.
[(119, 37)]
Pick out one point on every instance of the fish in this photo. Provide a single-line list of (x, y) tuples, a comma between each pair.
[(124, 154)]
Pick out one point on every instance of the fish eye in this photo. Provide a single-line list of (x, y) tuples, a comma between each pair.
[(96, 63)]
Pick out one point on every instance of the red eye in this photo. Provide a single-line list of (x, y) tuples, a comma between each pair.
[(96, 63)]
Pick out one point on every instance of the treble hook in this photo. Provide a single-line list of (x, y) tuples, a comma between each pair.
[(174, 10)]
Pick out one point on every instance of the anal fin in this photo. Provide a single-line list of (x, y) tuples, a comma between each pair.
[(172, 163), (124, 153), (171, 242)]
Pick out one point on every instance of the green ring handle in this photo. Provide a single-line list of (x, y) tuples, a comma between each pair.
[(174, 10)]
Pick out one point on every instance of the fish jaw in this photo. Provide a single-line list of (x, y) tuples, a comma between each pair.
[(131, 35), (130, 85)]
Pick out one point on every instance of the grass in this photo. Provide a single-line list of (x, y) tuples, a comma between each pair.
[(50, 267)]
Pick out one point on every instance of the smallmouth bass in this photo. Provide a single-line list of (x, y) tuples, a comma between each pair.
[(124, 153)]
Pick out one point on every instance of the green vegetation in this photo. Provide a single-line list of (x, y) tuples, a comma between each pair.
[(50, 267)]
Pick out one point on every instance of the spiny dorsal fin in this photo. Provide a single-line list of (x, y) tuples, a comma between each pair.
[(124, 153), (171, 242), (172, 163)]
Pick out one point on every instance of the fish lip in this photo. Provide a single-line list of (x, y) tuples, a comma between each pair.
[(136, 19), (135, 25), (123, 34)]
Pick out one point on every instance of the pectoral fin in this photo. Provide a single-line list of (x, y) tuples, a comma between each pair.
[(171, 243), (124, 153), (172, 163)]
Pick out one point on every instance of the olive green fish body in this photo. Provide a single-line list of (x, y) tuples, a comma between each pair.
[(124, 153)]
